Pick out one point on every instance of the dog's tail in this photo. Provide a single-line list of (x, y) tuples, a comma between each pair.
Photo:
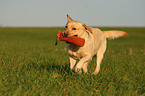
[(114, 34)]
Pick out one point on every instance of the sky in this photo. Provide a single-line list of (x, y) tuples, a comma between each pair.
[(52, 13)]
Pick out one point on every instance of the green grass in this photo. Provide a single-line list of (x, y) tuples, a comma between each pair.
[(30, 65)]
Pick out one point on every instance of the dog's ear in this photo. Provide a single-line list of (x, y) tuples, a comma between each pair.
[(69, 18), (87, 28)]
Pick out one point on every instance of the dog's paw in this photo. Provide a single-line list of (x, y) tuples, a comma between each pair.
[(79, 71), (94, 73)]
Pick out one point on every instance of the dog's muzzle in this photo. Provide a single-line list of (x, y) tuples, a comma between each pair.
[(65, 34)]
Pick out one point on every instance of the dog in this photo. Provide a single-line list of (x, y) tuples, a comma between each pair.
[(95, 44)]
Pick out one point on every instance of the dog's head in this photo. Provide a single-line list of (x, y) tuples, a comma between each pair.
[(75, 28)]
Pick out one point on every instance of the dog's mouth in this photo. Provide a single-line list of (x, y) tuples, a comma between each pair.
[(76, 35), (68, 43)]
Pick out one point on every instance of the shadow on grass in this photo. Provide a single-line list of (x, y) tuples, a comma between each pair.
[(53, 67)]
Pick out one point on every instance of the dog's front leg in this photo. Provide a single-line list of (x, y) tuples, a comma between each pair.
[(82, 61), (72, 63), (85, 65)]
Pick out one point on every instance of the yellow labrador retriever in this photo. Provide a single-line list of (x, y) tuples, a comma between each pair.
[(95, 44)]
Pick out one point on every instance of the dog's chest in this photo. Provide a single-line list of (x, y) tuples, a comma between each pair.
[(75, 52), (75, 55)]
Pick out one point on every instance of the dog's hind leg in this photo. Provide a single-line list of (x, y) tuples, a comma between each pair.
[(100, 54), (72, 63)]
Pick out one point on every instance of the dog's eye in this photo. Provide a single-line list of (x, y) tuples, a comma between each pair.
[(73, 28), (65, 26)]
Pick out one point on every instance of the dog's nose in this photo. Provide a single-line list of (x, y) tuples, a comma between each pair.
[(65, 34)]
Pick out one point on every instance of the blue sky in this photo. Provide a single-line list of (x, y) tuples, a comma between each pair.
[(51, 13)]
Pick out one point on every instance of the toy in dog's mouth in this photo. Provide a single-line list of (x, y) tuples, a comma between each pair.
[(78, 41), (68, 43)]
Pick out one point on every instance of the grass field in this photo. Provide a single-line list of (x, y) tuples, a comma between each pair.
[(30, 65)]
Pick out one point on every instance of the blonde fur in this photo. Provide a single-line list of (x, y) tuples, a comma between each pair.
[(114, 34), (95, 44)]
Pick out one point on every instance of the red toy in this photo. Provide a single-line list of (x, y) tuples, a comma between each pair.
[(73, 39)]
